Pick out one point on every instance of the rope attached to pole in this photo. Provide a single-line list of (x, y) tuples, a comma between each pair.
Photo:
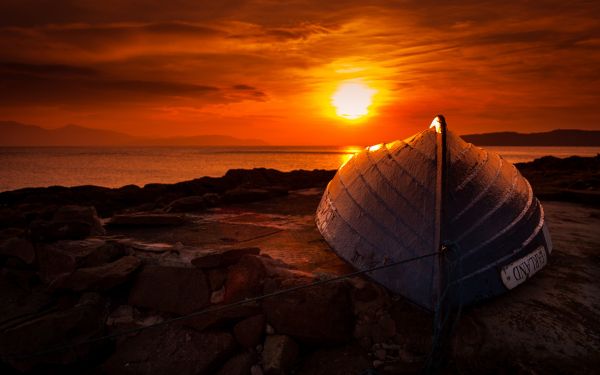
[(214, 309)]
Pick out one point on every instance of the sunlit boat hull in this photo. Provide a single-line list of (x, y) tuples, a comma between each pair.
[(426, 194)]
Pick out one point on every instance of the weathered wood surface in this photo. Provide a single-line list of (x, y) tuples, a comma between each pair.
[(380, 208)]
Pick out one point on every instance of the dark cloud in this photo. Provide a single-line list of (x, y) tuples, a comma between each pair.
[(466, 56), (20, 88), (243, 87), (46, 69)]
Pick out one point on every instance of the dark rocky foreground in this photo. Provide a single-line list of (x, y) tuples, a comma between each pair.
[(161, 252), (572, 179)]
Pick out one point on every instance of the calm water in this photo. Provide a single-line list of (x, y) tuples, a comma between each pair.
[(114, 167)]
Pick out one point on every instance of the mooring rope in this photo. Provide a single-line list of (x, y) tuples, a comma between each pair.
[(214, 309)]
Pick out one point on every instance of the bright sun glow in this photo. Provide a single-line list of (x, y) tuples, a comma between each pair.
[(352, 100)]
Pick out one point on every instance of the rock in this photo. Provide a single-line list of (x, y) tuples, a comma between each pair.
[(321, 314), (147, 219), (100, 278), (66, 256), (211, 199), (279, 354), (20, 304), (349, 359), (19, 248), (380, 354), (20, 276), (187, 204), (240, 364), (11, 217), (245, 279), (170, 289), (223, 317), (121, 316), (248, 195), (270, 330), (43, 231), (218, 296), (249, 331), (83, 214), (276, 268), (217, 278), (171, 350), (66, 222), (54, 329), (368, 297), (223, 257)]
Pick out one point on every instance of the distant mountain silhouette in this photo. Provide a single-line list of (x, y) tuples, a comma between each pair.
[(559, 137), (17, 134)]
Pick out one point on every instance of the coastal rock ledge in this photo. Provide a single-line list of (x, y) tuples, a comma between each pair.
[(146, 281)]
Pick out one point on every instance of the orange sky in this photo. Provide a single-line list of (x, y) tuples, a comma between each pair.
[(267, 69)]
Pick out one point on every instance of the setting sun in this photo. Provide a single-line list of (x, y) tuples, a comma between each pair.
[(352, 100)]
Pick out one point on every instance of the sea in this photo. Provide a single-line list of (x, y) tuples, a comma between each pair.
[(118, 166)]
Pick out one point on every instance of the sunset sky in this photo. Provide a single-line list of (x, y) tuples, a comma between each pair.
[(269, 69)]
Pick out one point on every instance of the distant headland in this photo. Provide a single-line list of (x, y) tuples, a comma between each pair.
[(17, 134), (558, 137), (23, 135)]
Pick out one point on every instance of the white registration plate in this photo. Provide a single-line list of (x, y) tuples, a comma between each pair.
[(521, 269)]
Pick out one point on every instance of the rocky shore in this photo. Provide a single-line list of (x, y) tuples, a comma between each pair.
[(83, 263)]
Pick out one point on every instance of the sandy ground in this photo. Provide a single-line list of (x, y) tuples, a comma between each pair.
[(550, 324)]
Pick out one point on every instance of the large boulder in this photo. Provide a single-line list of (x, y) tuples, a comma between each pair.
[(54, 329), (100, 278), (170, 289), (83, 214), (249, 332), (63, 257), (223, 257), (49, 231), (171, 350), (321, 314), (238, 365), (279, 355), (245, 279), (68, 222), (18, 247)]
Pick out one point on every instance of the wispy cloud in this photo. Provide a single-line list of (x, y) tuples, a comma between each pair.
[(488, 64)]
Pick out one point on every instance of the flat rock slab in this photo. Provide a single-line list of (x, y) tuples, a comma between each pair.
[(146, 220), (100, 278), (66, 256), (223, 257), (170, 289), (281, 227)]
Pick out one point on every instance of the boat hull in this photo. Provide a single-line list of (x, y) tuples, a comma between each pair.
[(388, 203)]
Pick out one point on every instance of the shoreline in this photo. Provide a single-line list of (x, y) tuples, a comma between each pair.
[(163, 251), (573, 179)]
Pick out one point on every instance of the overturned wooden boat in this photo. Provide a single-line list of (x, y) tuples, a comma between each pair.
[(433, 193)]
